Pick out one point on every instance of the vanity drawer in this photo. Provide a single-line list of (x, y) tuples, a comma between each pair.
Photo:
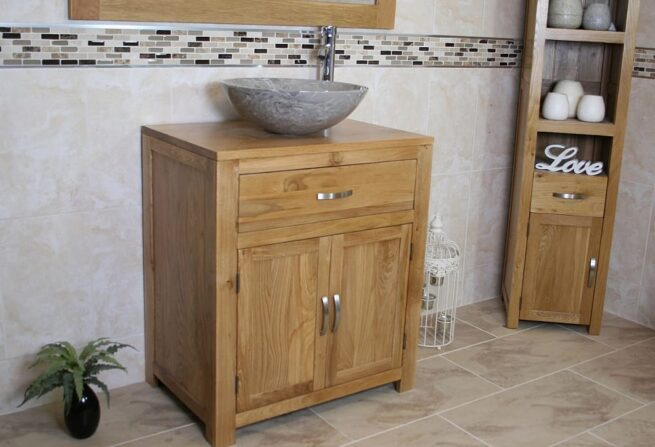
[(572, 194), (280, 199)]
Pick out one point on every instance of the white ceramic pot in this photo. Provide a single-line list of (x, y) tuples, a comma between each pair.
[(591, 109), (555, 107), (597, 17), (573, 91), (565, 14)]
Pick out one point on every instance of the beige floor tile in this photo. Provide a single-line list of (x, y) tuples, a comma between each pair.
[(136, 410), (617, 332), (439, 385), (630, 370), (585, 440), (512, 360), (636, 429), (191, 436), (300, 429), (465, 335), (489, 316), (430, 432), (542, 412)]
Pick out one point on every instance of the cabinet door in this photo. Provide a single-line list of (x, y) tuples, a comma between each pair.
[(559, 280), (277, 320), (368, 271)]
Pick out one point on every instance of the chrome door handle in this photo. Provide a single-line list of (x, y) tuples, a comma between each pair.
[(334, 195), (568, 196), (326, 315), (337, 312), (593, 269)]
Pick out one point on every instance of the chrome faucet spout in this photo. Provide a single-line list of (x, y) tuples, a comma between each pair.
[(326, 53)]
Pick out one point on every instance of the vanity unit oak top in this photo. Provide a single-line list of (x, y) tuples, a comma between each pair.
[(233, 140)]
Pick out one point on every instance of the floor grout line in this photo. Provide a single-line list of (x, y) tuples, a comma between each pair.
[(602, 439), (586, 336), (465, 431), (602, 424), (639, 401), (191, 424), (330, 424), (474, 373)]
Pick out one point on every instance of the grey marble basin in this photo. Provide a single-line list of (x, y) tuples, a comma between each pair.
[(293, 106)]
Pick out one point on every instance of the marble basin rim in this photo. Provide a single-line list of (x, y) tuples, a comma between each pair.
[(293, 106)]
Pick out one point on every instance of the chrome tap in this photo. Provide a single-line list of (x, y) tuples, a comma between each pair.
[(326, 53)]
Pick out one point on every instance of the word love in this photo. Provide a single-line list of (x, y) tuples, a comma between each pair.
[(562, 162)]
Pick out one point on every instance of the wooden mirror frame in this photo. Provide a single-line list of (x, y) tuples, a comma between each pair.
[(245, 12)]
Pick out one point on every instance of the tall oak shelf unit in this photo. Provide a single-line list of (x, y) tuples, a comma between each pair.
[(557, 250)]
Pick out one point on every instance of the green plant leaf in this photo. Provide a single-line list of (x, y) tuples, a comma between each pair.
[(69, 390), (79, 383)]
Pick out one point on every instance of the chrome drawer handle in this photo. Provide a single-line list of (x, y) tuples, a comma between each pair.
[(593, 268), (337, 312), (334, 195), (568, 196), (326, 315)]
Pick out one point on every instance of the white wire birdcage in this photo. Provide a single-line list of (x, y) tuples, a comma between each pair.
[(441, 289)]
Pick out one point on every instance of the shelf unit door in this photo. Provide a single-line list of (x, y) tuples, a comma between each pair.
[(559, 281), (369, 273), (279, 315)]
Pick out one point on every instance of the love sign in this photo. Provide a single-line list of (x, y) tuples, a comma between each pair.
[(564, 162)]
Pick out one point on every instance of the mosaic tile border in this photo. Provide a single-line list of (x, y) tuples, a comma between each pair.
[(92, 46), (644, 63), (130, 46)]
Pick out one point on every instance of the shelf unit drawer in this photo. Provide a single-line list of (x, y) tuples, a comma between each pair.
[(281, 199), (572, 194)]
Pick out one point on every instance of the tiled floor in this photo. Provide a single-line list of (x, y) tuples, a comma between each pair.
[(540, 385)]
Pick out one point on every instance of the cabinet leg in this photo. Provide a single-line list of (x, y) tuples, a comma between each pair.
[(219, 438), (593, 329)]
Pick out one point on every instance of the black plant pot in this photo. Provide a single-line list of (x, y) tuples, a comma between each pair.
[(84, 415)]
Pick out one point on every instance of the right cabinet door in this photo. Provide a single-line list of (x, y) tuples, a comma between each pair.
[(368, 283), (560, 269)]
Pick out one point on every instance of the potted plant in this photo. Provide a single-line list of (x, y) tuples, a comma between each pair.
[(74, 373)]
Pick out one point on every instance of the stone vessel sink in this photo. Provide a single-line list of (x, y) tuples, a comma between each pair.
[(293, 106)]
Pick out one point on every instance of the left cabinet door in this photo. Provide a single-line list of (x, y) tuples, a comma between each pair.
[(279, 319)]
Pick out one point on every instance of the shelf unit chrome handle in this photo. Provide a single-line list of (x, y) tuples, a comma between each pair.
[(334, 195), (326, 315), (337, 312), (593, 269), (568, 196)]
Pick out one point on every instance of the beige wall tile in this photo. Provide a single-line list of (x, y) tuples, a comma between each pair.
[(15, 376), (54, 266), (34, 11), (621, 297), (631, 231), (504, 18), (496, 118), (414, 16), (646, 309), (487, 217), (646, 31), (400, 99), (450, 197), (459, 17), (639, 156), (454, 94), (2, 327), (481, 282)]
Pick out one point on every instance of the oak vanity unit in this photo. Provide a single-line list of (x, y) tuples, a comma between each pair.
[(281, 272)]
